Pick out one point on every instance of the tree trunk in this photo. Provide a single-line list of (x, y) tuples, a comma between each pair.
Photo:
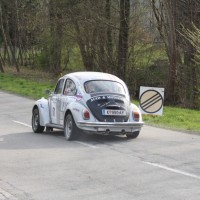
[(171, 95), (88, 60), (7, 39), (1, 65), (12, 48), (56, 38), (123, 38), (109, 42), (3, 34)]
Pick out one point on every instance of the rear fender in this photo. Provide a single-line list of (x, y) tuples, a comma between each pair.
[(134, 108), (43, 107), (77, 109)]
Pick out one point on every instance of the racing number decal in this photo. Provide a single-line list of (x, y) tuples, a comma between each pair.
[(53, 109), (53, 112)]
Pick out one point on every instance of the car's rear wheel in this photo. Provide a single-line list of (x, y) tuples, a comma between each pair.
[(70, 128), (132, 135), (37, 128)]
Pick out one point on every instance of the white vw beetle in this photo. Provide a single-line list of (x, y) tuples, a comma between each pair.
[(91, 102)]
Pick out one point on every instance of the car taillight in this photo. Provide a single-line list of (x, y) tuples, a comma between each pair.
[(86, 114), (136, 116)]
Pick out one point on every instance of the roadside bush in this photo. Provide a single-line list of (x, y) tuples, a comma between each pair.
[(41, 61), (154, 75)]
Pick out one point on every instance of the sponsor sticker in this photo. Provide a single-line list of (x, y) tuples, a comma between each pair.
[(105, 97)]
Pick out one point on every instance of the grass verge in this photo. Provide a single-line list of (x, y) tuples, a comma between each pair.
[(34, 86), (24, 86), (176, 118)]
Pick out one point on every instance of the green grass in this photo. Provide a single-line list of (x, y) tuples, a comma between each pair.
[(35, 86), (176, 118), (24, 86)]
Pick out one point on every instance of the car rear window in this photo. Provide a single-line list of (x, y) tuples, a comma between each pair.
[(104, 86)]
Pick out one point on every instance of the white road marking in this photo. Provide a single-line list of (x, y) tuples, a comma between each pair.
[(1, 139), (6, 195), (88, 145), (173, 170), (22, 123), (83, 143)]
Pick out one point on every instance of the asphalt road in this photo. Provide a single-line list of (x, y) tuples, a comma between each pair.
[(159, 164)]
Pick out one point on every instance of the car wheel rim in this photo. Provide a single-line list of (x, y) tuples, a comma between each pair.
[(35, 120), (68, 128)]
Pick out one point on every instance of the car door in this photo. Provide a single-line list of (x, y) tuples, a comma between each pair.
[(55, 102), (69, 92)]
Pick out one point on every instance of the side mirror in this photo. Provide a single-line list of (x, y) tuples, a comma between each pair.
[(48, 92)]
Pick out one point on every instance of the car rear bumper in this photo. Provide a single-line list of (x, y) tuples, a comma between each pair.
[(120, 127)]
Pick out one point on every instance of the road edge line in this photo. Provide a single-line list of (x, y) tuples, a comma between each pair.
[(172, 170)]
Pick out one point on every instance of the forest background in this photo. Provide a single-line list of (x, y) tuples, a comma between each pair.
[(144, 42)]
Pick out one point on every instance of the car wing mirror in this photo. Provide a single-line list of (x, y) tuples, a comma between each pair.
[(48, 92)]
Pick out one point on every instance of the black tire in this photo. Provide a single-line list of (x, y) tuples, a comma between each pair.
[(36, 122), (132, 135), (70, 128)]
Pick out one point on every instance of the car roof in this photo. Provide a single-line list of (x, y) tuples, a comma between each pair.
[(88, 76)]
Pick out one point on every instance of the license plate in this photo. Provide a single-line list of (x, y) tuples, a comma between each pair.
[(114, 112)]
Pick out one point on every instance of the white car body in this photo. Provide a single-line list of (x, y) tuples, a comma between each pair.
[(105, 112)]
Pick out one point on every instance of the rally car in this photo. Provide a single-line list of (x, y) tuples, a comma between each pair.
[(91, 102)]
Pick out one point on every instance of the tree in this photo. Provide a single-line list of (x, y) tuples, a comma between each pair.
[(9, 23), (56, 34), (95, 33), (1, 65), (164, 15), (171, 17), (123, 38), (188, 13), (192, 36)]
